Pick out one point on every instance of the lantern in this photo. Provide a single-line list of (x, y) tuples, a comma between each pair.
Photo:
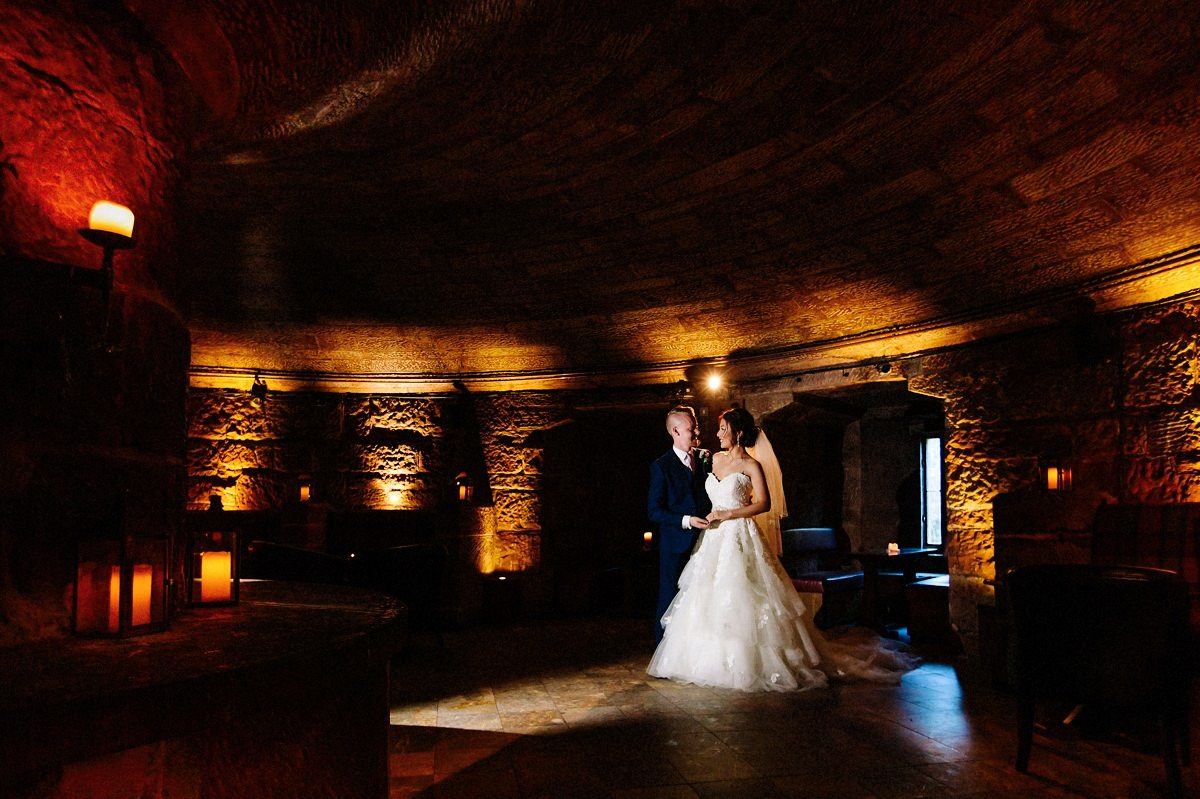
[(1056, 475), (464, 487), (213, 568), (121, 587)]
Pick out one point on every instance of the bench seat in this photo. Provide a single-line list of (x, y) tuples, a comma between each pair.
[(827, 582), (813, 560)]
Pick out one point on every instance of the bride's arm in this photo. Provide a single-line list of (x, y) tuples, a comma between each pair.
[(762, 496)]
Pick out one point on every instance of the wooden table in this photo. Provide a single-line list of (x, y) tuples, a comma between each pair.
[(874, 561)]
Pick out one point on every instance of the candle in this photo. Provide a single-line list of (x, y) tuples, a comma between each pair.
[(112, 218), (114, 600), (1052, 478), (216, 575), (305, 492), (462, 491), (143, 579), (893, 548), (647, 536)]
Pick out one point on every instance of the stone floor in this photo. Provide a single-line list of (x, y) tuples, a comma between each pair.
[(565, 709)]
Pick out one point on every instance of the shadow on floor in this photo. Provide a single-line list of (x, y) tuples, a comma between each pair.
[(565, 709)]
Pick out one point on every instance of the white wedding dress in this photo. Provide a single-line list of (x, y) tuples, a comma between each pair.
[(737, 621)]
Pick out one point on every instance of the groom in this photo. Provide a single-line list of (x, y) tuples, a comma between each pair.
[(678, 504)]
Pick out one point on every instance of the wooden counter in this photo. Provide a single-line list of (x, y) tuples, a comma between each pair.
[(284, 694)]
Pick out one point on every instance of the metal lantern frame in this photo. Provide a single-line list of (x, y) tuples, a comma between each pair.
[(120, 587)]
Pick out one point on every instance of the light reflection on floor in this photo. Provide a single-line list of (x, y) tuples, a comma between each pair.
[(565, 709)]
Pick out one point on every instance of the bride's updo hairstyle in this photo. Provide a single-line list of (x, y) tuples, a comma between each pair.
[(741, 421)]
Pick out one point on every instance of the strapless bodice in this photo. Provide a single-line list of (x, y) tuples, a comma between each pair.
[(732, 492)]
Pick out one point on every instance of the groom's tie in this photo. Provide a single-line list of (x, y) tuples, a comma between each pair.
[(687, 461)]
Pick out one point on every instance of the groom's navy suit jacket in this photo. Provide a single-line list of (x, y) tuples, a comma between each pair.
[(675, 492)]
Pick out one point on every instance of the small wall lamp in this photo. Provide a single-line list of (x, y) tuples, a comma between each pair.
[(110, 227), (258, 389)]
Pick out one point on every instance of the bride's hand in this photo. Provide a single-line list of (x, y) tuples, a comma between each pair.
[(719, 515)]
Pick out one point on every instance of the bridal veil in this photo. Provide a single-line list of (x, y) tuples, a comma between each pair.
[(769, 522)]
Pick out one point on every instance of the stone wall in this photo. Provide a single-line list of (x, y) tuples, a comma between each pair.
[(382, 452), (1116, 394)]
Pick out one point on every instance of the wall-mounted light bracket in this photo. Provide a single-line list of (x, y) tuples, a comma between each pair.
[(110, 227)]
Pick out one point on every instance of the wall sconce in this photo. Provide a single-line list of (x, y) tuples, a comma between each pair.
[(258, 390), (1057, 474), (464, 487), (304, 483), (395, 497), (213, 568), (110, 226), (121, 587), (714, 381)]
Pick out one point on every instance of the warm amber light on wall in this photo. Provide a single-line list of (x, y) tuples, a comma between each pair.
[(112, 218), (715, 381)]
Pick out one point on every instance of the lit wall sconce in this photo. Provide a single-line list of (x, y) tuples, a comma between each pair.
[(305, 487), (258, 390), (395, 497), (714, 381), (110, 226), (647, 540), (121, 587), (1057, 474), (464, 487), (213, 568)]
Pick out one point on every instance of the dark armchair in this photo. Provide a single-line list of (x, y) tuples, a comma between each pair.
[(414, 574), (1110, 636)]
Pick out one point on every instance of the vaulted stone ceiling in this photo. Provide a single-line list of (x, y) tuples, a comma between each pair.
[(422, 191)]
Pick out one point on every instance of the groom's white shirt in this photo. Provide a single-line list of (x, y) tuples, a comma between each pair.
[(684, 458)]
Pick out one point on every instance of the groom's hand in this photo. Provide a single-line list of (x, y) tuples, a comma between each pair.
[(698, 522)]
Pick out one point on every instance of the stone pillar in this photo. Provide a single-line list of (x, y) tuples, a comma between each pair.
[(93, 397)]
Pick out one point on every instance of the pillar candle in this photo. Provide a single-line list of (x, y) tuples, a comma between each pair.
[(1052, 478), (143, 578), (216, 574), (114, 600)]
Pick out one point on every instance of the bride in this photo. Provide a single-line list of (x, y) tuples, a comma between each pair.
[(737, 621)]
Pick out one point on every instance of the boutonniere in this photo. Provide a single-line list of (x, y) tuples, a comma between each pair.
[(704, 457)]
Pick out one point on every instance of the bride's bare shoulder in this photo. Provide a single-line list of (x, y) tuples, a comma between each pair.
[(752, 466)]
